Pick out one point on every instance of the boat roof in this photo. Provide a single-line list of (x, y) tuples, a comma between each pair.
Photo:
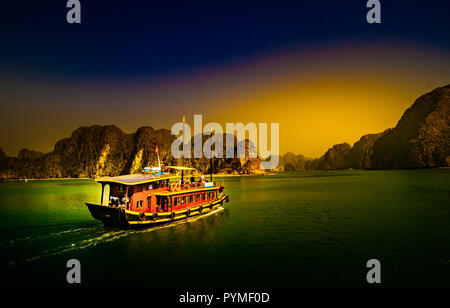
[(135, 179), (180, 168)]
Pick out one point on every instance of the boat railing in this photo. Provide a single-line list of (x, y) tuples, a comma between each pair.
[(195, 185)]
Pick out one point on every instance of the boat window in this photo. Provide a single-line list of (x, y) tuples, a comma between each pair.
[(191, 199), (149, 201), (139, 204), (205, 196), (175, 201)]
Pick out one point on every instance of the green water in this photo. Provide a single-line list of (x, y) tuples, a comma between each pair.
[(304, 229)]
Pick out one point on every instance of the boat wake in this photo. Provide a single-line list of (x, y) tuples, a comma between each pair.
[(44, 236), (102, 237)]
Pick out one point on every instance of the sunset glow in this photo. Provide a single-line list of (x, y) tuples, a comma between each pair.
[(320, 97)]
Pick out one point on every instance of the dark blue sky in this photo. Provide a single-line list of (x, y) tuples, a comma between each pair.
[(134, 39)]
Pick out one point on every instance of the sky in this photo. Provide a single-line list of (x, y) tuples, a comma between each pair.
[(315, 67)]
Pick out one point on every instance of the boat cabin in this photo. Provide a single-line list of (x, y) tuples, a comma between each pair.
[(150, 193)]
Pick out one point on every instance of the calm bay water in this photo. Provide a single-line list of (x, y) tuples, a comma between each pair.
[(303, 229)]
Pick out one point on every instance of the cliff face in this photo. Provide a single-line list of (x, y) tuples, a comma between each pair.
[(107, 151), (339, 156), (93, 151), (335, 157), (421, 139), (360, 155)]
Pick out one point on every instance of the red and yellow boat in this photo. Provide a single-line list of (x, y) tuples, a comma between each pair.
[(149, 199)]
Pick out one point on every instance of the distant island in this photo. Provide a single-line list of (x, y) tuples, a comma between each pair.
[(421, 139)]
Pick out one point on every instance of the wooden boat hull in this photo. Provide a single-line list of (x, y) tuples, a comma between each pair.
[(125, 219)]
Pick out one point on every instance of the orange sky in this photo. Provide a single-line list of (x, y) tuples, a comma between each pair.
[(320, 97)]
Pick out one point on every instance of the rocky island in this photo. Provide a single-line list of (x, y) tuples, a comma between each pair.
[(95, 151)]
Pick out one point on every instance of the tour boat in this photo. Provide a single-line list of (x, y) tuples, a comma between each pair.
[(154, 197)]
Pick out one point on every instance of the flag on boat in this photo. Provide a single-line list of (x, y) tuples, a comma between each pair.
[(156, 150)]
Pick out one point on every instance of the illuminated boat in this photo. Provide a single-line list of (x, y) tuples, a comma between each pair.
[(154, 197)]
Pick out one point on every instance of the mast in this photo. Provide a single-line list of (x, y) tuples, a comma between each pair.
[(211, 161), (182, 157), (157, 153), (184, 122), (212, 168), (159, 162)]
